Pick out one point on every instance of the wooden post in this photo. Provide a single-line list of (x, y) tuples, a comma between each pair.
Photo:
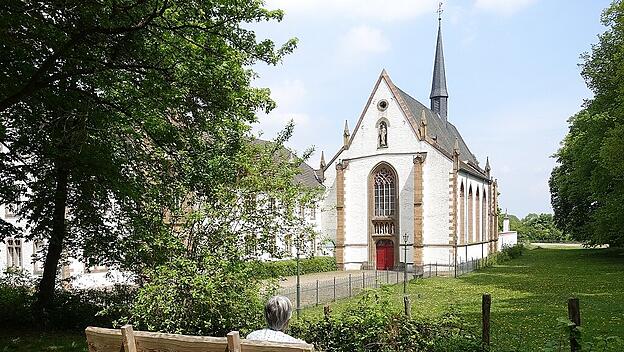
[(233, 340), (406, 306), (326, 311), (486, 302), (574, 314), (363, 280), (334, 289), (127, 334)]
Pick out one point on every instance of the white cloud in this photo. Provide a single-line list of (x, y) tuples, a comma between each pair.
[(361, 41), (289, 96), (506, 7), (395, 10)]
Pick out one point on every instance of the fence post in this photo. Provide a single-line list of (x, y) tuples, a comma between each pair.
[(334, 289), (363, 279), (406, 306), (574, 314), (349, 285), (486, 302), (430, 269), (436, 269), (326, 311), (317, 293)]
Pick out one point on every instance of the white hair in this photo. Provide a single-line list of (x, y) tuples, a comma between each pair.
[(277, 312)]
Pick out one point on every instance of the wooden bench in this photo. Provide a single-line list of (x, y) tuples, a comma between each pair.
[(127, 340)]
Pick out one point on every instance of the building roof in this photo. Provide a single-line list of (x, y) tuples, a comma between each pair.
[(307, 176), (438, 84), (443, 133)]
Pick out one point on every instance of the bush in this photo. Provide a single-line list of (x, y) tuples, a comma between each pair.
[(211, 297), (281, 268), (369, 325), (69, 310)]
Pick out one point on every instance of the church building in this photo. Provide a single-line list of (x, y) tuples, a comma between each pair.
[(405, 177)]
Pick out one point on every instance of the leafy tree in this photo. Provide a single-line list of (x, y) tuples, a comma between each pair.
[(587, 185), (112, 113)]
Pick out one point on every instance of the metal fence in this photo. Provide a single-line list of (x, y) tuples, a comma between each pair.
[(324, 291)]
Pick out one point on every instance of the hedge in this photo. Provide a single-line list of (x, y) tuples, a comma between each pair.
[(280, 268)]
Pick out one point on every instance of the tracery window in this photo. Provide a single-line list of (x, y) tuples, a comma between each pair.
[(385, 191)]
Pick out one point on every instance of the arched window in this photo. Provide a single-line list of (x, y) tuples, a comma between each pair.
[(470, 216), (462, 215), (385, 191), (478, 216), (484, 216)]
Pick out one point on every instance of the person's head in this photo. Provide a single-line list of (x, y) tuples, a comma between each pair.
[(277, 312)]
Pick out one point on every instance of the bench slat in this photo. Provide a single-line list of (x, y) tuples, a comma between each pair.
[(111, 340)]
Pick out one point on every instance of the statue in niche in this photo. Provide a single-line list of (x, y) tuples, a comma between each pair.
[(383, 135)]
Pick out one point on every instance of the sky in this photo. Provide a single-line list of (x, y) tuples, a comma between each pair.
[(512, 69)]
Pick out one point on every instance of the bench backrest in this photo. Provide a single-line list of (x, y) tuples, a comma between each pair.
[(127, 340)]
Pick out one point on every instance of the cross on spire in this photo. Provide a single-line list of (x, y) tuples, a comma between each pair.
[(440, 10)]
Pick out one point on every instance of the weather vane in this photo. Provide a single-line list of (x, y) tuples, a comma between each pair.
[(440, 10)]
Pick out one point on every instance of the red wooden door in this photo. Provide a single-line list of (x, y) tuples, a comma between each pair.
[(385, 255)]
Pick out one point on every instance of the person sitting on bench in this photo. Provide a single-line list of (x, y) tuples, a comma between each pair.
[(277, 312)]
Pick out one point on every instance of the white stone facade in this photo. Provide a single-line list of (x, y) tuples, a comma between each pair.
[(359, 158)]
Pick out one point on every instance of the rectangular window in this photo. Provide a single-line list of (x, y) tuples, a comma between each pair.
[(313, 212), (38, 257), (14, 253)]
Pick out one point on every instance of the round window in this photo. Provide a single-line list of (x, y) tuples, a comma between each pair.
[(382, 105)]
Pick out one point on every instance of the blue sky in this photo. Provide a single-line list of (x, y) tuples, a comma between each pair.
[(511, 67)]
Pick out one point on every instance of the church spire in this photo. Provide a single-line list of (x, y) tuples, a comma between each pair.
[(439, 95)]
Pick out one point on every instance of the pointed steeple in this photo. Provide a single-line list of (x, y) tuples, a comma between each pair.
[(439, 94), (345, 135), (322, 164), (487, 166)]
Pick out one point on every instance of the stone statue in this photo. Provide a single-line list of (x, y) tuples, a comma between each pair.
[(383, 135)]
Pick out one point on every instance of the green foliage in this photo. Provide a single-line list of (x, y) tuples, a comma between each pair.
[(281, 268), (368, 325), (70, 310), (536, 228), (587, 185), (111, 113), (210, 297)]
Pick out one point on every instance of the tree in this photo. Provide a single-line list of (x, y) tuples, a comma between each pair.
[(112, 112), (587, 185)]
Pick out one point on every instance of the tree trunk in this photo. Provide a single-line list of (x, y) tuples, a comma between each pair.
[(55, 244)]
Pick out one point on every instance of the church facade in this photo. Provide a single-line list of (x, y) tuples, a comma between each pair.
[(404, 177)]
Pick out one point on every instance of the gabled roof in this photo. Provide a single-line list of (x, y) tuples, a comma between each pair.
[(307, 175), (440, 134)]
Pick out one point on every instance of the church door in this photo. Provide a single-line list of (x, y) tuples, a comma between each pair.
[(385, 255)]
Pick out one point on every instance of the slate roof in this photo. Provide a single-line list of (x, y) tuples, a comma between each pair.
[(438, 84), (444, 133), (307, 176)]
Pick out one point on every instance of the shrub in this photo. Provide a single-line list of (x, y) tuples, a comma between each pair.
[(70, 309), (281, 268), (369, 325), (209, 297)]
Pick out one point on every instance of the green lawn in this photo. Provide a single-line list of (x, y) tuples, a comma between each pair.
[(20, 341), (529, 294)]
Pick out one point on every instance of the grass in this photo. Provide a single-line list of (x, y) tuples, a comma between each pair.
[(529, 296), (21, 341)]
